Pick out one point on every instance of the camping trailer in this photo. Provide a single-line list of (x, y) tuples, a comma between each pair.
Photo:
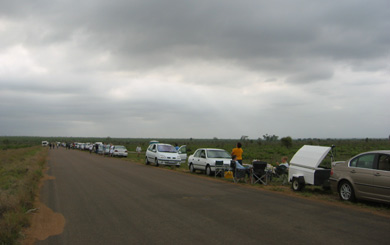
[(304, 167)]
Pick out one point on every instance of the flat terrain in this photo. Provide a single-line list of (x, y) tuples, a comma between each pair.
[(111, 201)]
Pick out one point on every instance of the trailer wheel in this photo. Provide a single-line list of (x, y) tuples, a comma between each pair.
[(296, 185)]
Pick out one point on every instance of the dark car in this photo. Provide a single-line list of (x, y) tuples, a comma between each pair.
[(365, 176)]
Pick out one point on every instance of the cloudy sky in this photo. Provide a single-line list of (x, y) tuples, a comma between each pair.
[(195, 68)]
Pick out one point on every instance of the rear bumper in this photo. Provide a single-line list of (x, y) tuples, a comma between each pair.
[(333, 184)]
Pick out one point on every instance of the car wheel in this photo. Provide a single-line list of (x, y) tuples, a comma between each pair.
[(147, 161), (192, 169), (208, 170), (156, 161), (346, 192), (296, 186)]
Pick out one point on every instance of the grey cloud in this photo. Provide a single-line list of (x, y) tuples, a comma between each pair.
[(146, 34), (238, 62)]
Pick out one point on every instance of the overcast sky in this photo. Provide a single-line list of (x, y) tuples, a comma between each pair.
[(195, 68)]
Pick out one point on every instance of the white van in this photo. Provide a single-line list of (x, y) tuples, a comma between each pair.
[(164, 154), (45, 143)]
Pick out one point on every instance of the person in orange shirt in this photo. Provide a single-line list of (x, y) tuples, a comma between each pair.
[(238, 152)]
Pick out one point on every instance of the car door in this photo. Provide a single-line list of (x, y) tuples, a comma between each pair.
[(183, 153), (152, 152), (381, 178), (361, 173), (200, 159)]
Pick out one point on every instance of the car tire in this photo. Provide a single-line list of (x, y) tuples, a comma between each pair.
[(147, 161), (296, 185), (346, 192), (192, 169), (208, 170), (156, 161)]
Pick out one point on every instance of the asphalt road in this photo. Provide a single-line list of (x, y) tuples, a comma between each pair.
[(112, 201)]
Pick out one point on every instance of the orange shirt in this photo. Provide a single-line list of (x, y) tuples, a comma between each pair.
[(238, 152)]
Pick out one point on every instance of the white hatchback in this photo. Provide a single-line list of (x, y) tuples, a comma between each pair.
[(164, 154)]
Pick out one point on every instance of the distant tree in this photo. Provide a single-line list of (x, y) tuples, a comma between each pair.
[(244, 137), (268, 137), (215, 138), (286, 141)]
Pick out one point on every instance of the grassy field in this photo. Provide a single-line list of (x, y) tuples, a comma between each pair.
[(20, 173)]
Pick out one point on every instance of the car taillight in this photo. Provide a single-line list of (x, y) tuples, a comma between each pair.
[(126, 151), (331, 171)]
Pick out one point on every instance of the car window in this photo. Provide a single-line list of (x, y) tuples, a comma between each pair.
[(218, 154), (364, 161), (202, 154), (384, 162), (166, 148), (183, 149), (197, 153)]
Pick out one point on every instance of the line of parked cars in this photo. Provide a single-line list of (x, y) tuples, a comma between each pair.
[(100, 148), (364, 176)]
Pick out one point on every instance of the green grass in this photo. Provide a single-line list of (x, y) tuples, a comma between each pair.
[(20, 173)]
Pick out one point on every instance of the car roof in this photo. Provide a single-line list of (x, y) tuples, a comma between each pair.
[(376, 151), (211, 149)]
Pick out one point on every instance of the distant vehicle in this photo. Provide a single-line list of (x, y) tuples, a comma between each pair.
[(304, 167), (164, 154), (45, 143), (364, 176), (119, 151), (204, 159)]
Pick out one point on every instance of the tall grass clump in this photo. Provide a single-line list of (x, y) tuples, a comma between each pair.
[(20, 173)]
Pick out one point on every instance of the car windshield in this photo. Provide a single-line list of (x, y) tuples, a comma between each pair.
[(166, 148), (218, 154)]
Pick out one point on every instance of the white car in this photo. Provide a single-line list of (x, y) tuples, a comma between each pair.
[(204, 159), (119, 151), (164, 154)]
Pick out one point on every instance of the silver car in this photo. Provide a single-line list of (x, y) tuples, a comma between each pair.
[(365, 176), (119, 151)]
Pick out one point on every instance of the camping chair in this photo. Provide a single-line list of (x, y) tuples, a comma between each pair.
[(237, 173), (219, 168), (281, 171), (259, 174)]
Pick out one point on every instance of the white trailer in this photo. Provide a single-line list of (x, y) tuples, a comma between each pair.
[(304, 167)]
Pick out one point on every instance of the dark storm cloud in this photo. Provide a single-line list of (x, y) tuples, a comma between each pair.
[(146, 34)]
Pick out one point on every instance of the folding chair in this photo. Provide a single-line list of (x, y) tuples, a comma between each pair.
[(259, 174), (237, 173), (282, 172), (219, 168)]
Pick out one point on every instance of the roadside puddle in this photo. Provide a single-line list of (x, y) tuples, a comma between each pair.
[(44, 221)]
